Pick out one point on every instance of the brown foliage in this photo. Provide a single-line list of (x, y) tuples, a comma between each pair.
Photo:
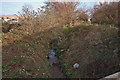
[(106, 13), (65, 12), (50, 15)]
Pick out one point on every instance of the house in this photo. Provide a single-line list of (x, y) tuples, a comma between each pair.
[(6, 20), (9, 18)]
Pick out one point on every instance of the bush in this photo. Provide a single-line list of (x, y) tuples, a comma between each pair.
[(5, 27), (107, 13)]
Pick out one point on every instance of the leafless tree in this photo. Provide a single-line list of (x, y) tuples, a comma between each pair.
[(106, 13), (64, 12)]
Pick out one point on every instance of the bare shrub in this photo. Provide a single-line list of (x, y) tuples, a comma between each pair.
[(106, 13), (50, 15), (64, 12), (5, 27)]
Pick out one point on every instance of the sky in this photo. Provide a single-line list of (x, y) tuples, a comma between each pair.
[(11, 7)]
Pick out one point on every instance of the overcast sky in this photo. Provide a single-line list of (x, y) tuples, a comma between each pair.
[(10, 7)]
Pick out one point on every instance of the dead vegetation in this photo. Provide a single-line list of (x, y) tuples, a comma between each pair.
[(25, 48)]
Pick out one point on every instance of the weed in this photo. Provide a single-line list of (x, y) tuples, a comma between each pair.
[(6, 68), (29, 73), (42, 46), (27, 45), (66, 65), (65, 27), (61, 57), (68, 73), (14, 62)]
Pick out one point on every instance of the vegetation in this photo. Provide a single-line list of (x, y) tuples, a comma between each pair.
[(94, 47), (106, 13)]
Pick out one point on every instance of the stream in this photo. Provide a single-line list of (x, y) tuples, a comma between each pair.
[(54, 61)]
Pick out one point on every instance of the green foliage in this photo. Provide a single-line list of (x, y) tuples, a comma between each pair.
[(116, 51), (14, 62), (5, 69), (65, 27), (61, 57), (114, 44), (65, 30), (60, 53), (66, 65), (27, 45), (68, 73)]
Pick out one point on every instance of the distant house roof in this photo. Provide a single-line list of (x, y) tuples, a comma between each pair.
[(9, 16)]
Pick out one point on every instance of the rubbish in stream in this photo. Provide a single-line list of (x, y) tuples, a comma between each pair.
[(52, 58), (76, 65), (55, 70)]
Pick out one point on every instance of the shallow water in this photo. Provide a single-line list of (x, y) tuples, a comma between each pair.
[(55, 70)]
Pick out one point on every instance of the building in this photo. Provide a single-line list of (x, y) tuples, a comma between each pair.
[(6, 20), (9, 18)]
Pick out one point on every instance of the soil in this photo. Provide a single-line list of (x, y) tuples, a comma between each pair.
[(56, 72)]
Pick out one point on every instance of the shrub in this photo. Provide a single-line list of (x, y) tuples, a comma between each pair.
[(5, 27)]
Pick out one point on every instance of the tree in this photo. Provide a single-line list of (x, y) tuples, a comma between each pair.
[(27, 12), (63, 12), (106, 13)]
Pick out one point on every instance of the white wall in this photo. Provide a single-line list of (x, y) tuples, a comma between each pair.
[(6, 19)]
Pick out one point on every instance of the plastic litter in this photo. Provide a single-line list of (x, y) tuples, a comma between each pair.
[(76, 65)]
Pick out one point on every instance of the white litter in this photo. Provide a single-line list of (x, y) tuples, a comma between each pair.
[(76, 65)]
